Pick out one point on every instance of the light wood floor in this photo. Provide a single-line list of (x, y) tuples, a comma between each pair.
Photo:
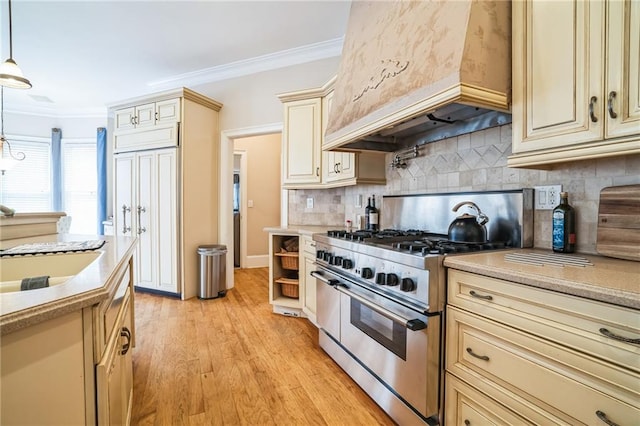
[(233, 361)]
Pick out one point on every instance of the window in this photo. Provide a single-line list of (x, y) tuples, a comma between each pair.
[(26, 187), (80, 183)]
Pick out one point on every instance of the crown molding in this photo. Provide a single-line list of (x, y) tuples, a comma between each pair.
[(272, 61), (57, 112)]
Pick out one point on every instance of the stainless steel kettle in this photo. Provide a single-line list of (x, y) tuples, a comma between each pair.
[(468, 228)]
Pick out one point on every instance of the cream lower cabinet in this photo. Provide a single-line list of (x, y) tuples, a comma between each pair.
[(75, 369), (308, 247), (521, 355), (114, 373), (166, 188), (146, 196), (305, 164), (576, 90)]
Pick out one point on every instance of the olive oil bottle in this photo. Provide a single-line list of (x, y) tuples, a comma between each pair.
[(564, 226)]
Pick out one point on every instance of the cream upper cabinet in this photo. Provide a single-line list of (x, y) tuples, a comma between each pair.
[(302, 143), (575, 80), (147, 114), (305, 164)]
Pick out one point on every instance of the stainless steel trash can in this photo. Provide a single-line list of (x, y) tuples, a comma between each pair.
[(212, 261)]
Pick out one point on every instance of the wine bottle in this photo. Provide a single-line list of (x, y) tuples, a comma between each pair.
[(367, 214), (564, 226), (373, 215)]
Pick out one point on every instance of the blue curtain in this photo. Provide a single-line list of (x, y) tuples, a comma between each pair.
[(101, 151), (56, 169)]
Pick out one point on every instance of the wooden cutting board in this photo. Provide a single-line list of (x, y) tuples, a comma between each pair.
[(619, 222)]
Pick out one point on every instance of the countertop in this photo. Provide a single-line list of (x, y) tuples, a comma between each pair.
[(608, 280), (300, 229), (91, 286)]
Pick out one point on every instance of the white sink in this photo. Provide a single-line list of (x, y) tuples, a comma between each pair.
[(59, 267)]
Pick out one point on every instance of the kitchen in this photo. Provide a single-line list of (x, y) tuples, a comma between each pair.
[(439, 170)]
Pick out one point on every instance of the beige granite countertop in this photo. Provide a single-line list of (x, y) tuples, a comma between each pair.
[(608, 280), (300, 229), (92, 285)]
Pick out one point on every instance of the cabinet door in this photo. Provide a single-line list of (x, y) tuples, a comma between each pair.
[(124, 118), (146, 115), (145, 212), (124, 194), (165, 217), (168, 111), (302, 142), (558, 52), (309, 288), (114, 374), (623, 61)]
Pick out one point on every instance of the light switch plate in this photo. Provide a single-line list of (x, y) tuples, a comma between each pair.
[(309, 203), (547, 197), (249, 203)]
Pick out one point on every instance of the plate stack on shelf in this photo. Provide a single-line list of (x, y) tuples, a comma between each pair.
[(289, 260)]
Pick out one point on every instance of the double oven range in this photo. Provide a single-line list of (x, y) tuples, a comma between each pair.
[(381, 296)]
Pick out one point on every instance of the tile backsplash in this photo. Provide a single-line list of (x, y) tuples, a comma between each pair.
[(477, 162)]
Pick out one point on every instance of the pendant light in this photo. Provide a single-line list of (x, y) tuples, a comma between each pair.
[(10, 74), (6, 164)]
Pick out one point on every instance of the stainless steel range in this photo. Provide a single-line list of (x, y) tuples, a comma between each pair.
[(381, 296)]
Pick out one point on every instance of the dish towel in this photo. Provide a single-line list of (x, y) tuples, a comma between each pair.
[(34, 283)]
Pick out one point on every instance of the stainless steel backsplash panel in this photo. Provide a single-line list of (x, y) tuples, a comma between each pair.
[(510, 213)]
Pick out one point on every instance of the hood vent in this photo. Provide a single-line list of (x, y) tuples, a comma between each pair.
[(417, 71)]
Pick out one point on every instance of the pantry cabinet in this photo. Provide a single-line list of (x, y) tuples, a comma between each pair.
[(522, 355), (305, 164), (146, 195), (166, 187), (576, 90)]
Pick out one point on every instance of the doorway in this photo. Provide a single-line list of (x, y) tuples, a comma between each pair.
[(226, 191)]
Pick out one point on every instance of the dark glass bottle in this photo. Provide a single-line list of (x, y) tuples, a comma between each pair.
[(373, 215), (367, 214), (564, 226)]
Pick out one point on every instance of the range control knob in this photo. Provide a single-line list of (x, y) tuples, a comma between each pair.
[(391, 279), (347, 263), (328, 257), (337, 260), (407, 285), (366, 273), (380, 278), (320, 254)]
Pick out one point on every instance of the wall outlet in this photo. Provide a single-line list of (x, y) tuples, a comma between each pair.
[(358, 201), (547, 197), (309, 203)]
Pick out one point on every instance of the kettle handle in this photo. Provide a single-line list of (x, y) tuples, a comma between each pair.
[(481, 217)]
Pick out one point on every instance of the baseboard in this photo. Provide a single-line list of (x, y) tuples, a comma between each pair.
[(260, 261)]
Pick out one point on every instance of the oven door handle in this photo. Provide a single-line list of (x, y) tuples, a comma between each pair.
[(317, 275), (411, 324)]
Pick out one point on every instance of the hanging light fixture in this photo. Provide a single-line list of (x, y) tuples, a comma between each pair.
[(10, 74), (6, 163)]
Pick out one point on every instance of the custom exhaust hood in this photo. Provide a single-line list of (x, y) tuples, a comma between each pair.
[(414, 72)]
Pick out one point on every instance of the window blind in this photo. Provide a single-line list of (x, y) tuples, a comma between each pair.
[(79, 180), (26, 187)]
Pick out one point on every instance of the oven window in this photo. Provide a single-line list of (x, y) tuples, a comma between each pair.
[(389, 334)]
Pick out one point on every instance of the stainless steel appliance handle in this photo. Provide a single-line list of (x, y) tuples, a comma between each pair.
[(318, 276), (411, 324)]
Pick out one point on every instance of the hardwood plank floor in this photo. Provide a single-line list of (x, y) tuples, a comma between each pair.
[(233, 361)]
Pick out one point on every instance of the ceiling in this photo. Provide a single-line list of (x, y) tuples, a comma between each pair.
[(82, 55)]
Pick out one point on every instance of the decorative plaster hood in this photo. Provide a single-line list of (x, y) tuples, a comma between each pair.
[(417, 71)]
